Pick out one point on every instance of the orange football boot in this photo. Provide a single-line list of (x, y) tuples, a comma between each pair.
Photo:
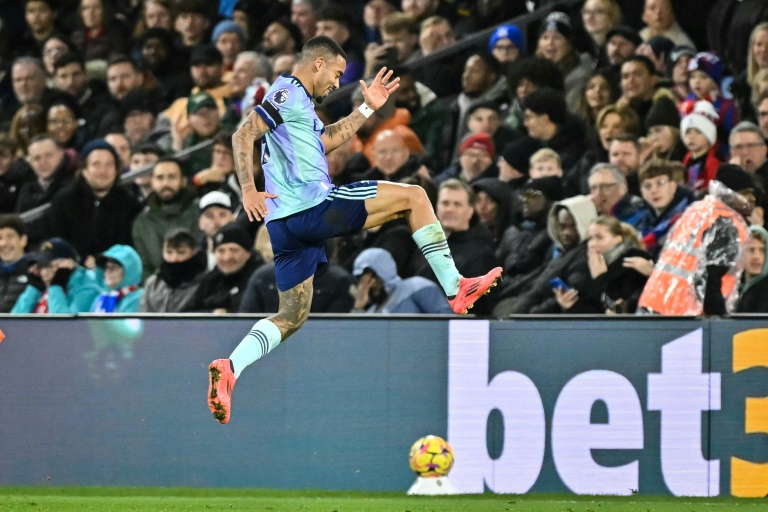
[(220, 389), (471, 289)]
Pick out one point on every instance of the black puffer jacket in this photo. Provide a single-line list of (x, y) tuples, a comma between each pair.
[(13, 281)]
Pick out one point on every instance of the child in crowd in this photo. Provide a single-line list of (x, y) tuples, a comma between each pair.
[(118, 272), (706, 71), (545, 162), (699, 131)]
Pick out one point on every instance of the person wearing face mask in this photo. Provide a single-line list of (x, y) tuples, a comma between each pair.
[(175, 283), (616, 284), (118, 273), (57, 283)]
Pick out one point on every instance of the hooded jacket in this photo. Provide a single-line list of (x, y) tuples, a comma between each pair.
[(157, 219), (501, 194), (127, 294), (411, 295), (583, 211), (754, 292), (78, 296)]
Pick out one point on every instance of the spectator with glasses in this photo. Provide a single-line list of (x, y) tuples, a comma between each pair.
[(608, 190)]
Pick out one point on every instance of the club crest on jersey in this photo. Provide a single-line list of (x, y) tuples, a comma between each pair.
[(281, 96)]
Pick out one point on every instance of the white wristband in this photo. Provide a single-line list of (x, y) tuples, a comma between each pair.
[(365, 110)]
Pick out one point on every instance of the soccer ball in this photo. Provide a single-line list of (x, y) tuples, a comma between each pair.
[(431, 456)]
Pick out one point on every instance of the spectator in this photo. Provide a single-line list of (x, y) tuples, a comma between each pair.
[(155, 14), (215, 211), (381, 290), (545, 163), (704, 81), (229, 39), (94, 212), (679, 59), (476, 160), (699, 263), (555, 44), (470, 242), (138, 117), (659, 50), (281, 38), (391, 158), (427, 116), (493, 206), (40, 16), (485, 117), (373, 13), (421, 10), (400, 38), (757, 60), (388, 117), (54, 47), (192, 23), (523, 77), (334, 22), (57, 283), (54, 170), (547, 120), (621, 42), (29, 83), (204, 121), (568, 226), (221, 174), (176, 281), (753, 288), (101, 33), (249, 85), (659, 18), (507, 44), (700, 136), (222, 288), (638, 85), (761, 106), (304, 15), (13, 175), (608, 190), (514, 161), (13, 261), (624, 154), (599, 17), (65, 123), (435, 33), (163, 66), (123, 147), (663, 135), (599, 92), (443, 76), (143, 155), (99, 112), (665, 200), (525, 247), (118, 273), (612, 250), (171, 205), (123, 76), (749, 151)]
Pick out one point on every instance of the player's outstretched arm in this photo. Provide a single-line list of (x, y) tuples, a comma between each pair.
[(254, 202), (375, 96)]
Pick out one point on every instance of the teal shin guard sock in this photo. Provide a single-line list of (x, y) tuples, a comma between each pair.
[(434, 246), (264, 337)]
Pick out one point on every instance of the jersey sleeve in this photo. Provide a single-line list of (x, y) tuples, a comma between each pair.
[(279, 106)]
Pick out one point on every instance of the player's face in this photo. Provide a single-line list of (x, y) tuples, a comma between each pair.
[(328, 74)]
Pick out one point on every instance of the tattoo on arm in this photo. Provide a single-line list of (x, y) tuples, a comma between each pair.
[(341, 131), (294, 308), (242, 146)]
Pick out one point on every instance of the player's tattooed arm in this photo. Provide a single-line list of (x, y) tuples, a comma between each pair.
[(294, 308), (252, 130), (341, 131)]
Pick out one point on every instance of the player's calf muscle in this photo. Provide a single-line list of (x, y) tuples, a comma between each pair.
[(294, 308)]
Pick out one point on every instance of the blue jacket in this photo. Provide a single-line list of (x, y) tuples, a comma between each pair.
[(131, 262), (78, 297), (411, 295)]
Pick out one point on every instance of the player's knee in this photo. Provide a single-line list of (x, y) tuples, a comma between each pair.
[(418, 197)]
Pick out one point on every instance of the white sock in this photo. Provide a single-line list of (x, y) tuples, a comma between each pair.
[(264, 337)]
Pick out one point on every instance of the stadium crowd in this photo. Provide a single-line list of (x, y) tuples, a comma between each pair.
[(610, 156)]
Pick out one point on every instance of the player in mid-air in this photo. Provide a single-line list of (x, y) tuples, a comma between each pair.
[(303, 209)]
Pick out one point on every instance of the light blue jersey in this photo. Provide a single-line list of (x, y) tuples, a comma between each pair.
[(292, 153)]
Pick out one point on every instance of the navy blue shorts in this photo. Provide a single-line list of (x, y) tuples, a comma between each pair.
[(298, 240)]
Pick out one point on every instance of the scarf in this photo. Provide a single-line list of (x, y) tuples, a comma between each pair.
[(107, 301), (42, 305)]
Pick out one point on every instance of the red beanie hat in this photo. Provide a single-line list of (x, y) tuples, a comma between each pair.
[(478, 141)]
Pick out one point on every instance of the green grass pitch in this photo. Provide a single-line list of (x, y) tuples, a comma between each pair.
[(118, 499)]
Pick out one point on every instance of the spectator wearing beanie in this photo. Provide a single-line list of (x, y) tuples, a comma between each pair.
[(477, 155), (699, 132), (548, 121), (192, 23), (555, 44), (659, 50), (94, 212), (222, 288), (507, 44), (706, 72), (515, 161), (663, 136), (679, 59), (621, 42), (229, 39), (493, 206)]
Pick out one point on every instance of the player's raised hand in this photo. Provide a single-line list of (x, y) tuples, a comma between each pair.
[(255, 203), (378, 93)]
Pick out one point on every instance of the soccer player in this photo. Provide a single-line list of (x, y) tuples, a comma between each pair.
[(302, 208)]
